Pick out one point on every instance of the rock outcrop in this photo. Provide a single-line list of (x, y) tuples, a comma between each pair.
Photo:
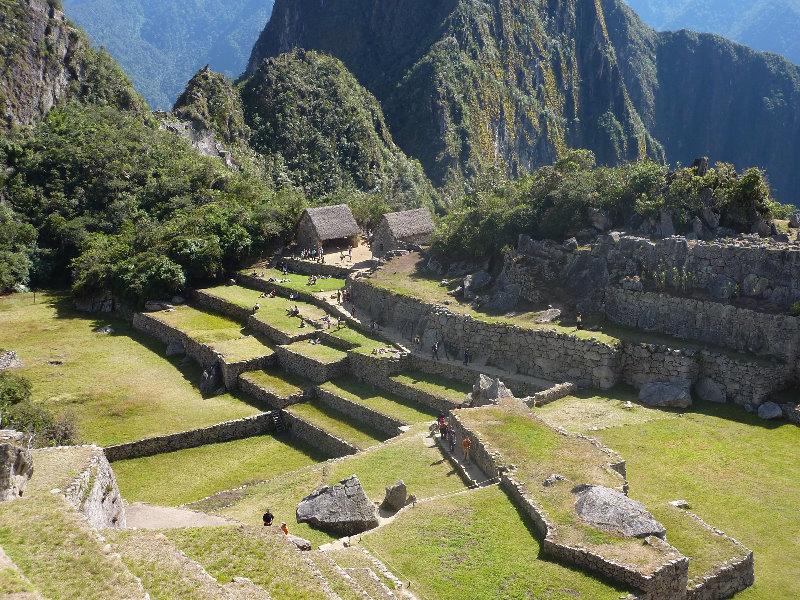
[(613, 511), (396, 496), (341, 509), (487, 391), (16, 465), (667, 394)]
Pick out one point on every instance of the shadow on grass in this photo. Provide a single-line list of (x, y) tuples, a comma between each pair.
[(529, 525)]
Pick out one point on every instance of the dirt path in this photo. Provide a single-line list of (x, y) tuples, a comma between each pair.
[(146, 516)]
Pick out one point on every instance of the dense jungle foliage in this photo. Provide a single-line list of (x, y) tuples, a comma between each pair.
[(553, 202)]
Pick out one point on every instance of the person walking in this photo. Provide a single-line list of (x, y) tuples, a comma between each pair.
[(435, 350), (466, 356), (579, 321), (451, 437), (466, 444), (443, 429)]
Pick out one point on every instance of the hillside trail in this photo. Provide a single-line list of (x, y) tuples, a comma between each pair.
[(147, 516)]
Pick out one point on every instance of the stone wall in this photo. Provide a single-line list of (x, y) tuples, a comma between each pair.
[(323, 441), (490, 463), (200, 353), (9, 360), (540, 353), (708, 321), (361, 413), (215, 304), (545, 397), (231, 371), (94, 492), (314, 268), (316, 371), (260, 424)]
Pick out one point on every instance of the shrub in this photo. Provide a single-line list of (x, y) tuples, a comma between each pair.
[(37, 421), (13, 388)]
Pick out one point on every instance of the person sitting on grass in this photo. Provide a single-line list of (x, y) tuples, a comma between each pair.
[(273, 293), (268, 518), (256, 307)]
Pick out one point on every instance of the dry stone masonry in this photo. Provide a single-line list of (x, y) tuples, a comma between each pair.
[(342, 509)]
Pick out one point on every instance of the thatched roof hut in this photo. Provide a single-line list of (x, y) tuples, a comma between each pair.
[(406, 227), (327, 223)]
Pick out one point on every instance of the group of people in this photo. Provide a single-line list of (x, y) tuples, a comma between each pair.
[(448, 434), (315, 254), (269, 519)]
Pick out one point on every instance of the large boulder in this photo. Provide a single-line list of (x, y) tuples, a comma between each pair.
[(16, 465), (709, 390), (341, 509), (667, 394), (396, 496), (487, 391), (794, 220), (611, 510), (477, 281), (769, 411), (211, 379)]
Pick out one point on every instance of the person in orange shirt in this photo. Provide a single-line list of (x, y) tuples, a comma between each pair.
[(466, 444), (284, 528)]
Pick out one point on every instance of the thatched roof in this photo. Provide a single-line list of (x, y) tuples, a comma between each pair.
[(409, 223), (333, 222)]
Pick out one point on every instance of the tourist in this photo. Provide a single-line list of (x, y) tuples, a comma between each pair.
[(339, 296), (284, 528), (256, 307), (268, 518), (443, 428), (451, 437), (579, 320), (350, 253), (435, 351), (466, 356), (338, 322), (466, 444)]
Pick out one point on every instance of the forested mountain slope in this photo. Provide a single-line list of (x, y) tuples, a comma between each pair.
[(161, 44), (470, 85)]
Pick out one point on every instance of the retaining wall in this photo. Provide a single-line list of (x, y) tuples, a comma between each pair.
[(320, 439), (260, 424), (314, 268), (202, 354), (316, 371), (270, 399), (377, 420)]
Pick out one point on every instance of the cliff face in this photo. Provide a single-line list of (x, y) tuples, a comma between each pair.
[(703, 95), (44, 60), (473, 84), (470, 85)]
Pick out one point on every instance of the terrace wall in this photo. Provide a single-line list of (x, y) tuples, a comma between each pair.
[(201, 353), (320, 439), (274, 401), (358, 412), (260, 424), (312, 369)]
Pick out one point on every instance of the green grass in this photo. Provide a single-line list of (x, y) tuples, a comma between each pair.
[(59, 553), (384, 402), (299, 282), (119, 386), (340, 425), (477, 545), (262, 556), (244, 348), (319, 352), (423, 468), (363, 343), (11, 582), (740, 474), (202, 326), (438, 385), (188, 475), (281, 383)]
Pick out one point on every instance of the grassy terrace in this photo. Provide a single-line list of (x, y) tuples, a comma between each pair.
[(299, 282), (53, 546), (539, 451), (281, 383), (318, 352), (338, 424), (477, 545), (113, 399), (437, 385), (739, 473), (364, 343), (383, 402), (188, 475), (223, 334), (421, 466)]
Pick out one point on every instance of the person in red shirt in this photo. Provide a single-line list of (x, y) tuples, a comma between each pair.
[(284, 528)]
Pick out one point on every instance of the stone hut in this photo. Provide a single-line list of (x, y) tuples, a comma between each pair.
[(323, 225), (400, 228)]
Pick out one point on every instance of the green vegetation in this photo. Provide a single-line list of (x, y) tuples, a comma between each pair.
[(161, 44), (189, 475), (383, 402), (476, 545), (318, 352), (408, 457), (438, 385), (362, 343), (299, 282), (113, 399), (280, 383), (338, 424), (740, 488)]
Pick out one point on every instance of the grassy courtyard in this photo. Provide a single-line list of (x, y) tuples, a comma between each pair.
[(739, 473), (438, 385), (299, 282), (120, 387)]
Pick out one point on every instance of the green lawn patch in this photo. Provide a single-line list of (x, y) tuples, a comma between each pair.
[(120, 387), (384, 402), (340, 425), (422, 467), (281, 383), (244, 348), (319, 352), (200, 325), (438, 385), (187, 475), (477, 545), (261, 555), (59, 553), (363, 343), (300, 282)]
